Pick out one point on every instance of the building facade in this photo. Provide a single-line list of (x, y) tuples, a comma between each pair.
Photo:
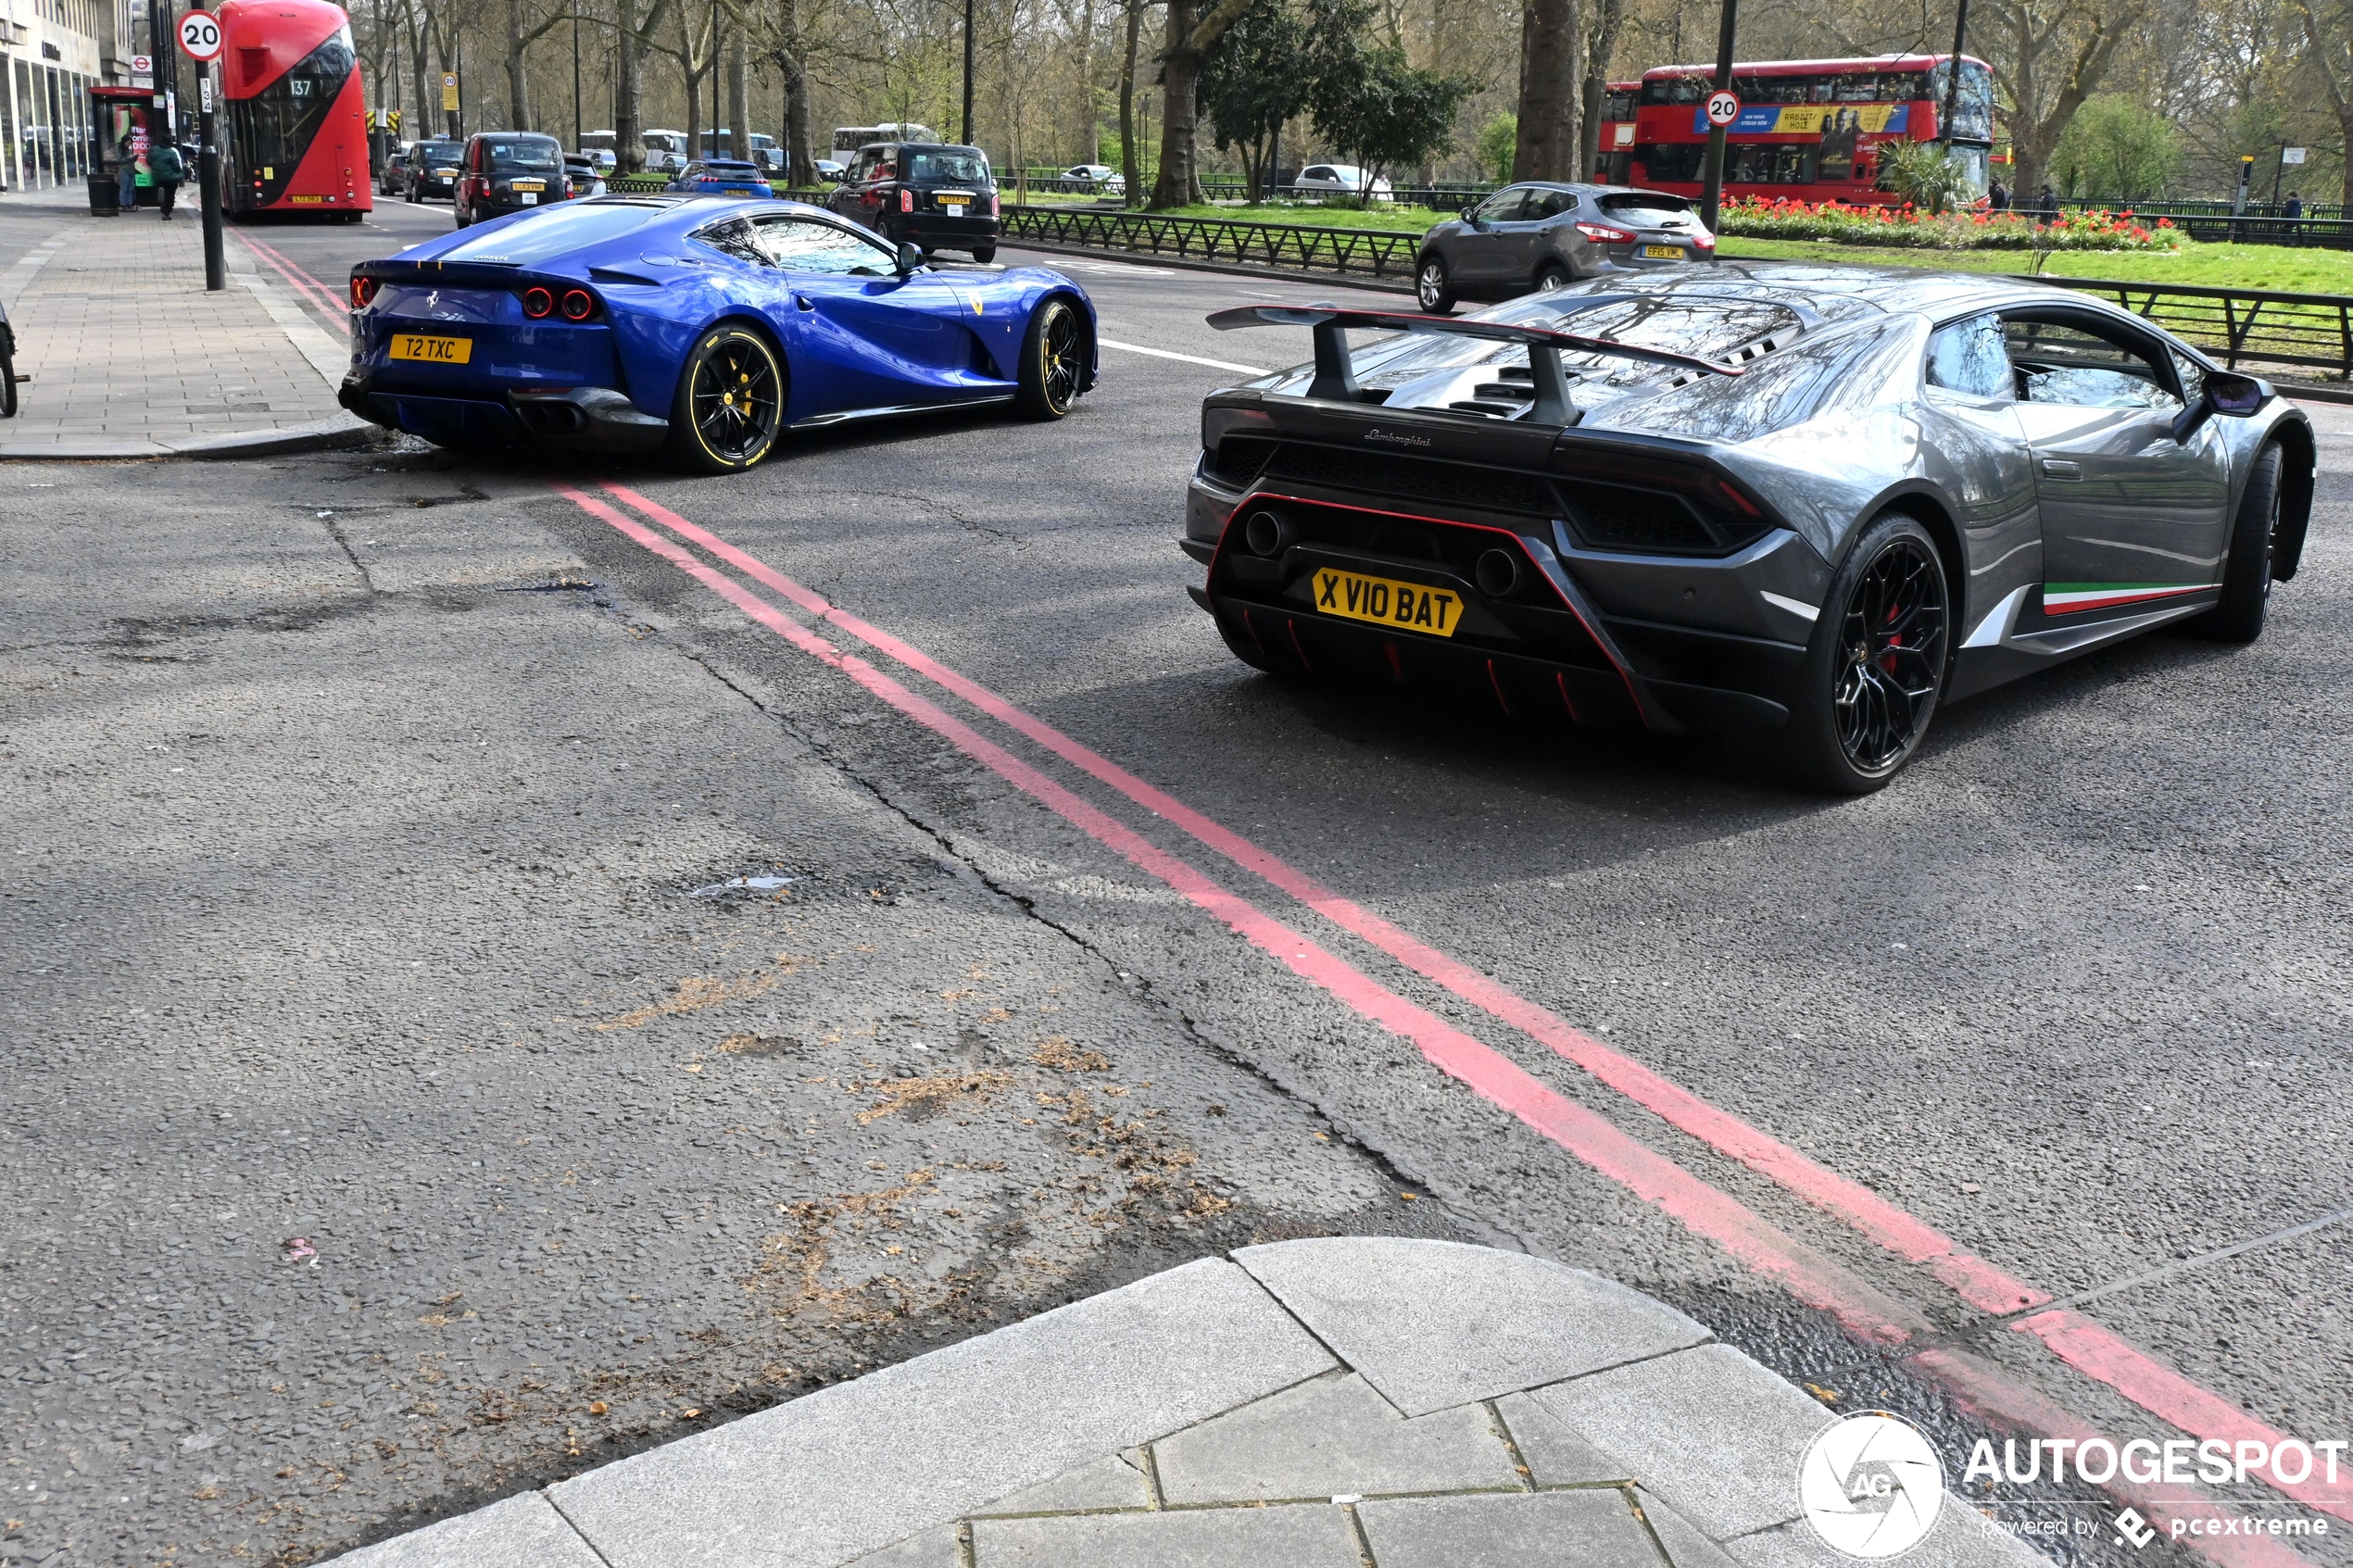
[(52, 52)]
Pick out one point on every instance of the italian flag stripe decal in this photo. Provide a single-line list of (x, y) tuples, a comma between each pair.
[(2066, 598)]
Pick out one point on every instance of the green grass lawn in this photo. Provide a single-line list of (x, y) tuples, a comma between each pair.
[(2287, 269)]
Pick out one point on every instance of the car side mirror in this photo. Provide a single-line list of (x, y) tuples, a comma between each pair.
[(910, 257), (2226, 393)]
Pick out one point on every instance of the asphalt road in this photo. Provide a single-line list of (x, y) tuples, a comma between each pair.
[(2073, 992)]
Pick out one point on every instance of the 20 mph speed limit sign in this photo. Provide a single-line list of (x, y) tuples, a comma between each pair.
[(200, 36), (1723, 105)]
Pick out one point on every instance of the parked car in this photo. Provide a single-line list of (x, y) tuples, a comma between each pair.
[(1801, 506), (928, 194), (1099, 178), (601, 159), (507, 171), (708, 329), (586, 179), (720, 177), (1336, 179), (388, 177), (1543, 234), (430, 169)]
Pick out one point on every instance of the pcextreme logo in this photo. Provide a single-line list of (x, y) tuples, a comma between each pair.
[(1871, 1485)]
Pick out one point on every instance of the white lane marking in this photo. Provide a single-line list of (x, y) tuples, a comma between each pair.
[(1795, 607), (1188, 358)]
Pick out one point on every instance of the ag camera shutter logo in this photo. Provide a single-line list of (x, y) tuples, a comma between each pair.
[(1871, 1485)]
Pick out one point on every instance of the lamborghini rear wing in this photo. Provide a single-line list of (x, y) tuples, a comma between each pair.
[(1336, 370)]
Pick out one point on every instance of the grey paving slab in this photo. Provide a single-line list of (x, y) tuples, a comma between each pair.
[(1709, 1430), (1326, 1438), (1556, 1455), (1687, 1545), (935, 1548), (1962, 1538), (1590, 1529), (1110, 1482), (523, 1532), (1432, 1324), (1297, 1536), (861, 1464)]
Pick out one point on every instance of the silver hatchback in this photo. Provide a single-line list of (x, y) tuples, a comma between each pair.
[(1542, 235)]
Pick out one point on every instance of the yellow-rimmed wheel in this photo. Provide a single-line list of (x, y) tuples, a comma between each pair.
[(730, 406), (1053, 361)]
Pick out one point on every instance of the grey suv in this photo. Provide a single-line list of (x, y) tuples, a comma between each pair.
[(1539, 236)]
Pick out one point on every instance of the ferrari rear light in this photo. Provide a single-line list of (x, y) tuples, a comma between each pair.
[(538, 304), (579, 305), (906, 201), (1603, 234), (362, 291)]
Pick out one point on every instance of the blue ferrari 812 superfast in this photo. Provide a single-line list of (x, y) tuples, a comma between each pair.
[(701, 327)]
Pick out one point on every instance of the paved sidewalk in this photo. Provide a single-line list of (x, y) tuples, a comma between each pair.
[(1350, 1402), (130, 356)]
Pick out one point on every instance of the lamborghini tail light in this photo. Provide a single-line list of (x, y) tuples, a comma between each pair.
[(538, 304)]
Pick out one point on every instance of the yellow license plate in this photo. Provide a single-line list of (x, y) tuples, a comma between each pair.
[(1664, 253), (1387, 602), (439, 350), (957, 202), (531, 184)]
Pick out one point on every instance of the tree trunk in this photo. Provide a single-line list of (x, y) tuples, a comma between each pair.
[(628, 135), (1088, 141), (1547, 148), (1179, 184), (1128, 164), (2033, 36), (1600, 45), (518, 88), (739, 99), (2333, 56), (800, 169), (421, 128), (692, 75)]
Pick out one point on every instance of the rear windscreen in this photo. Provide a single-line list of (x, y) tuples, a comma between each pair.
[(520, 157), (555, 231), (440, 152), (1644, 206), (951, 169)]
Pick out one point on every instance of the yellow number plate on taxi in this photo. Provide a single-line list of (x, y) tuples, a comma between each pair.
[(1387, 602), (440, 350), (1664, 253), (531, 184)]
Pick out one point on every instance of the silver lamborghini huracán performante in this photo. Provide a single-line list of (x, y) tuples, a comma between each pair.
[(1805, 504)]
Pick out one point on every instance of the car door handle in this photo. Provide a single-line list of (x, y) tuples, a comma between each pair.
[(2061, 467)]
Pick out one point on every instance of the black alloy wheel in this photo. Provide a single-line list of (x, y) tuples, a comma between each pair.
[(2237, 616), (1876, 664), (1433, 286), (730, 404), (1053, 361)]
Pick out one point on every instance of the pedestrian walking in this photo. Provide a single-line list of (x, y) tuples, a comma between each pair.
[(127, 174), (2046, 205), (164, 164), (2295, 209), (1998, 199)]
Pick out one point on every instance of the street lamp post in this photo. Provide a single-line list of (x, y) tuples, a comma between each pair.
[(216, 264), (968, 72), (1953, 79), (1711, 199)]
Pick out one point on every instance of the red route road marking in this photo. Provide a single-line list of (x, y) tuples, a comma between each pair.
[(1699, 1208), (304, 284), (2095, 1350)]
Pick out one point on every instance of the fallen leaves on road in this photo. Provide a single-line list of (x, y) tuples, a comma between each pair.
[(927, 1095), (1061, 1055), (700, 991)]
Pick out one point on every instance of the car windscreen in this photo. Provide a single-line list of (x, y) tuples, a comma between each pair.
[(1643, 206), (523, 156), (955, 167), (729, 171), (558, 230)]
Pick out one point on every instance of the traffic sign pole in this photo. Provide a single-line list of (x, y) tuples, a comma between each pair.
[(200, 41), (1711, 201)]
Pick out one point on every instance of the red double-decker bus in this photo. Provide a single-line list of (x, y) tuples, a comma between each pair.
[(1809, 130), (1614, 147), (295, 138)]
